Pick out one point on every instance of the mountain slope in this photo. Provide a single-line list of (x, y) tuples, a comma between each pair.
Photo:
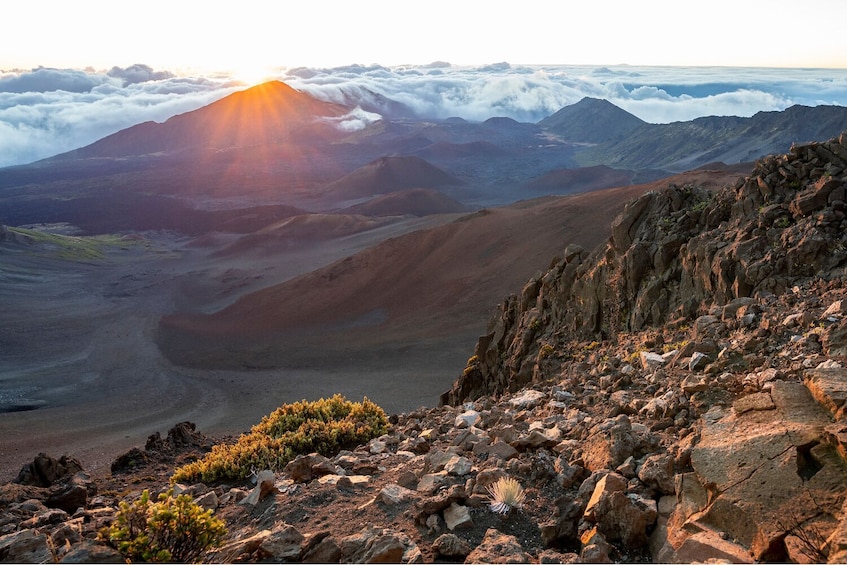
[(433, 284), (388, 174), (414, 201), (582, 179), (718, 318)]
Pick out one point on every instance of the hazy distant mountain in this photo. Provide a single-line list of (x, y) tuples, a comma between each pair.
[(450, 151), (592, 120), (682, 146)]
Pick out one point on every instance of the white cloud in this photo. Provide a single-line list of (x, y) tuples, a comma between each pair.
[(48, 111), (64, 109), (354, 120), (138, 73), (47, 80), (655, 94)]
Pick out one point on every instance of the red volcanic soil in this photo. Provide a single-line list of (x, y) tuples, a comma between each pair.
[(429, 286), (580, 180), (415, 201), (300, 228)]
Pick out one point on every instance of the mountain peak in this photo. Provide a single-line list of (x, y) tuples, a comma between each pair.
[(268, 113), (592, 120)]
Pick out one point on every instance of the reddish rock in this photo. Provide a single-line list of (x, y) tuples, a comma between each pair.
[(497, 547), (657, 472)]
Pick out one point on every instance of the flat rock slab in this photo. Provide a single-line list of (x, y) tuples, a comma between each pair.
[(756, 401), (829, 387), (766, 470)]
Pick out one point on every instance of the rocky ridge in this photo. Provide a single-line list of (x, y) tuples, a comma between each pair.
[(677, 395), (673, 255)]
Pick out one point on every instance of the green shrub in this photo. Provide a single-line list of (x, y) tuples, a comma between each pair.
[(174, 529), (325, 426)]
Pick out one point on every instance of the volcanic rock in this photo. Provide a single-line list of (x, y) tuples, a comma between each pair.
[(497, 547)]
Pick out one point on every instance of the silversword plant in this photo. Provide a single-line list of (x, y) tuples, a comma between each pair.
[(506, 494)]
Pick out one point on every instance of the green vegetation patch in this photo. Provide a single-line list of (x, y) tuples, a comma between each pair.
[(71, 247), (174, 529), (325, 426)]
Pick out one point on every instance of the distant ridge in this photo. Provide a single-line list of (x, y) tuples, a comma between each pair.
[(682, 146), (592, 120)]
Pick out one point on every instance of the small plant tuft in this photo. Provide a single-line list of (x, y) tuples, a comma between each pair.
[(545, 351), (174, 529), (506, 495)]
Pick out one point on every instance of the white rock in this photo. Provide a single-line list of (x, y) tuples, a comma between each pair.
[(650, 360), (376, 446), (395, 494), (829, 364), (528, 399), (698, 361), (467, 419), (458, 466), (668, 357), (456, 516), (265, 485)]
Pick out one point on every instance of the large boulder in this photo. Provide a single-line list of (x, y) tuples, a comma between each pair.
[(609, 444), (25, 546), (377, 545), (44, 470), (760, 474)]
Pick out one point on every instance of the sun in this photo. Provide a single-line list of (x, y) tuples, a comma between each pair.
[(253, 74)]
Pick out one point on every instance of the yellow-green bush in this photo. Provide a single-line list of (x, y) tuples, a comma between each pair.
[(325, 426), (174, 529)]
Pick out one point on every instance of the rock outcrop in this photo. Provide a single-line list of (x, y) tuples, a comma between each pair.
[(673, 255)]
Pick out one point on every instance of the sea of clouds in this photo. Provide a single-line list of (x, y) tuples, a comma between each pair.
[(46, 111)]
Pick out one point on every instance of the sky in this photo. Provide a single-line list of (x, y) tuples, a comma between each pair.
[(249, 35), (73, 72)]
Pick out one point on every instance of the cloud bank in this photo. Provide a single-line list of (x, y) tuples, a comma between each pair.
[(44, 111)]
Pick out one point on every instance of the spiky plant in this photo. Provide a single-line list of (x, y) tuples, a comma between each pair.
[(505, 495)]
